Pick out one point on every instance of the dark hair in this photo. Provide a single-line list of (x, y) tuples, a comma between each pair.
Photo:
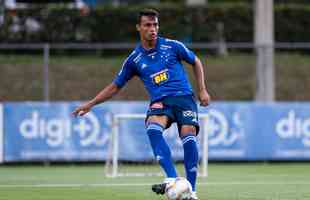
[(147, 12)]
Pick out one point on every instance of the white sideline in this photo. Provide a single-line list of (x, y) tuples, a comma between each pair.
[(143, 184)]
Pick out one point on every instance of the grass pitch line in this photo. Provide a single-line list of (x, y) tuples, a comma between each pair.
[(142, 184)]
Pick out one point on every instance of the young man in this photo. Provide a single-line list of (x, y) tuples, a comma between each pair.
[(157, 62)]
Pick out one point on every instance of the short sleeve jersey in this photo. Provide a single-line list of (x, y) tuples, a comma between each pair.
[(160, 69)]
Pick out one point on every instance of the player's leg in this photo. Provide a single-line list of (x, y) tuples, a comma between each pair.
[(191, 157), (155, 127), (187, 119), (159, 117)]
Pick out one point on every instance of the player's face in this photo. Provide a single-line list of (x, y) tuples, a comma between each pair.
[(148, 28)]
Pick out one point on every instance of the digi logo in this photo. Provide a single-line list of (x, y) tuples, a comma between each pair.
[(160, 77), (56, 131), (294, 127), (219, 130)]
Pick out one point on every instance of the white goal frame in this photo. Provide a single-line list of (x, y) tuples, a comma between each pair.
[(113, 149)]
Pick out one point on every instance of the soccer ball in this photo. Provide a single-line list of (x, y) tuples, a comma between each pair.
[(178, 189)]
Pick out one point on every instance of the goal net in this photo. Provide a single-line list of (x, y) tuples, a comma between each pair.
[(131, 154)]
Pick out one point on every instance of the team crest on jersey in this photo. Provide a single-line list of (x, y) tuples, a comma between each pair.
[(160, 77)]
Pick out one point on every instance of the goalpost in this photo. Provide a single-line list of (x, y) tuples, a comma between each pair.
[(113, 163)]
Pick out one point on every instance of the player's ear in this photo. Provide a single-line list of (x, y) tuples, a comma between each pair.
[(138, 27)]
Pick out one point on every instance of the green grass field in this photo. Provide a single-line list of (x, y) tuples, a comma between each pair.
[(260, 181)]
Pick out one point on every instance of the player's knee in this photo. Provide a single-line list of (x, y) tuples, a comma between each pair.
[(162, 120), (154, 126), (187, 130), (160, 148)]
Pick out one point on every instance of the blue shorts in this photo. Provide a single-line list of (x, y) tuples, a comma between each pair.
[(180, 109)]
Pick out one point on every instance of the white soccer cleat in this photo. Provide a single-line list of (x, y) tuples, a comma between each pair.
[(194, 196)]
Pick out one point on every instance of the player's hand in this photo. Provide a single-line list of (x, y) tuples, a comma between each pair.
[(204, 98), (83, 109)]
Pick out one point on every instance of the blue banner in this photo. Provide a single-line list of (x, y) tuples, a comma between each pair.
[(48, 131), (38, 131), (236, 131), (253, 131), (1, 134)]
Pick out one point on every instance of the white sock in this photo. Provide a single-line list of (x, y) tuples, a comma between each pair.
[(167, 180)]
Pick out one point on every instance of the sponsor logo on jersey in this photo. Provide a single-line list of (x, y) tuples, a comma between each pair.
[(160, 77)]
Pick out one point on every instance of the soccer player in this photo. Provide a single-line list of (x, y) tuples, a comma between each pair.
[(157, 62)]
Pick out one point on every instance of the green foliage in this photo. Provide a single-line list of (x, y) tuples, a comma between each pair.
[(106, 24), (291, 23)]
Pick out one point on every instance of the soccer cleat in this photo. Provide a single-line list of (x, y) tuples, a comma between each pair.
[(194, 196), (159, 188)]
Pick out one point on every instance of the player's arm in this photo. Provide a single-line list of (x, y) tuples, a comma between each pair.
[(104, 95), (125, 74), (203, 94), (189, 56)]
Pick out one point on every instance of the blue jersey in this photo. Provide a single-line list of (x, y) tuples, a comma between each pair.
[(160, 69)]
